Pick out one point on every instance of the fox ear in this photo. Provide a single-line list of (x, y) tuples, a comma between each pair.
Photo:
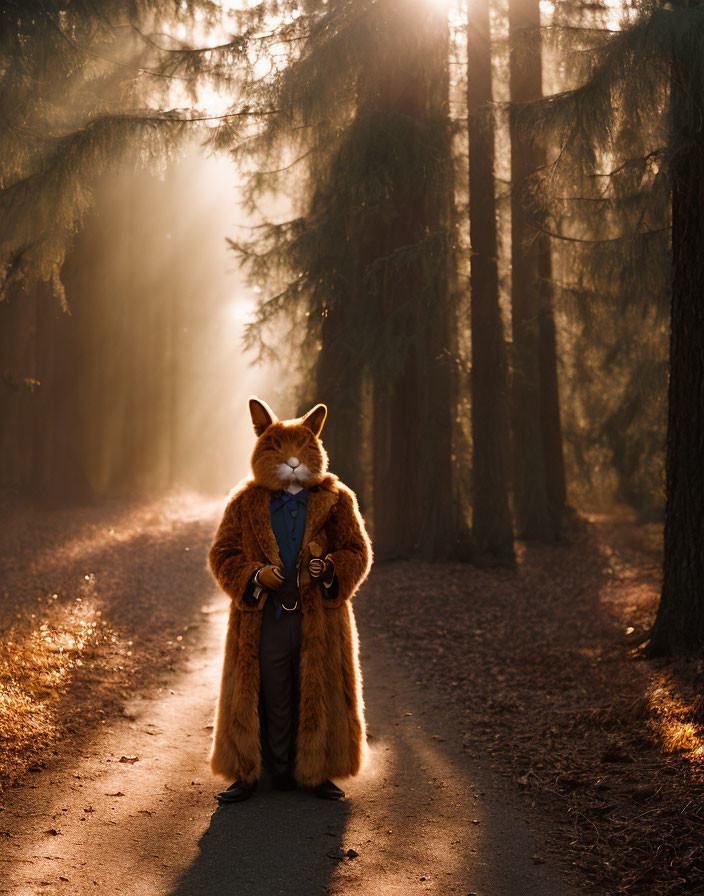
[(262, 414), (315, 418)]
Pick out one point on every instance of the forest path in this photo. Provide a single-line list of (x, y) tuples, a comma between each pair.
[(422, 816)]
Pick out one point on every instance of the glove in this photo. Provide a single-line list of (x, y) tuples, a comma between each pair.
[(323, 569), (269, 577), (317, 566)]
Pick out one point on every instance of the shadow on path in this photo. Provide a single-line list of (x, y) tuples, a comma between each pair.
[(274, 843)]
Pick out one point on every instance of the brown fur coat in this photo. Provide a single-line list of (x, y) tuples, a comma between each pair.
[(331, 739)]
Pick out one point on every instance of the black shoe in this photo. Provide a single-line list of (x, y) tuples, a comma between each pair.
[(284, 781), (329, 791), (236, 792)]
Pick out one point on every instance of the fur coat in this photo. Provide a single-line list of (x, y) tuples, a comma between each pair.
[(331, 738)]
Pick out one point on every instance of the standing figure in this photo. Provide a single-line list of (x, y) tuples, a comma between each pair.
[(291, 551)]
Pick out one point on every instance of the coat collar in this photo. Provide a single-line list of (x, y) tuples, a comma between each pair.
[(320, 500)]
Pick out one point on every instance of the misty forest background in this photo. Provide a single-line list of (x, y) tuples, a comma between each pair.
[(473, 231)]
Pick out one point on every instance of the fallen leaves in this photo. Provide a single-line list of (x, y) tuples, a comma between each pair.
[(537, 674)]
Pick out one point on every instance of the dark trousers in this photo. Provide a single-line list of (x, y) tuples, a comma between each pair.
[(279, 675)]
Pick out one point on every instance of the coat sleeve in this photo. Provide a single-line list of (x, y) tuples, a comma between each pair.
[(232, 570), (348, 545)]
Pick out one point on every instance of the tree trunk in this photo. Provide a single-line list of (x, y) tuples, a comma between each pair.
[(415, 508), (59, 478), (443, 525), (679, 624), (19, 393), (492, 527), (396, 466), (538, 470), (550, 395), (338, 385)]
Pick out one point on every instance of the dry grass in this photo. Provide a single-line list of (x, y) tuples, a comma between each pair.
[(96, 601)]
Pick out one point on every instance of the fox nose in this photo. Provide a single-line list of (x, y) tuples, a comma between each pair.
[(292, 462)]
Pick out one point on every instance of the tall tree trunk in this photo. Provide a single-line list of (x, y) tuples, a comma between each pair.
[(396, 466), (19, 392), (414, 499), (338, 383), (537, 450), (550, 401), (491, 516), (679, 624), (396, 409), (443, 526), (550, 398), (59, 478)]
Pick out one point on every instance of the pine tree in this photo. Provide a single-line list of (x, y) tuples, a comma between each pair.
[(492, 527), (83, 89), (539, 486), (679, 625), (84, 96), (368, 262), (609, 286), (643, 88)]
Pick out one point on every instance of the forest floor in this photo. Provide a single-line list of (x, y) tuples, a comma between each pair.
[(519, 742)]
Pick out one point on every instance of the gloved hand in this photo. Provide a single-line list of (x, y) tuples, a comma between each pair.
[(318, 567), (270, 577)]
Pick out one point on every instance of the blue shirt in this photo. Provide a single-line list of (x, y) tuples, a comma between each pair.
[(288, 520)]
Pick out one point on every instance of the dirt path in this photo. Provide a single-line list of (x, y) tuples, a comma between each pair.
[(423, 817)]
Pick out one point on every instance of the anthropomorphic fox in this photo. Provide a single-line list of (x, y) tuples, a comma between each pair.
[(291, 552)]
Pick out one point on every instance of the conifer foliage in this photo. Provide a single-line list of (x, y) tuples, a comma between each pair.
[(629, 144), (363, 274), (88, 99), (342, 123), (83, 88)]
